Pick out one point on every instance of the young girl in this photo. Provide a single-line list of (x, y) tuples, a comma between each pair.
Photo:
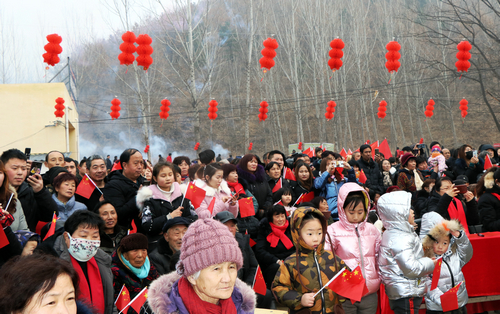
[(216, 187), (161, 201), (305, 181), (357, 242), (298, 279), (284, 195), (448, 240)]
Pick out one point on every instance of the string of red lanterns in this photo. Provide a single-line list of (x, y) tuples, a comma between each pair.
[(463, 107), (429, 109), (463, 56), (330, 110), (144, 51), (212, 109), (196, 146), (335, 54), (382, 108), (59, 107), (53, 48), (263, 111), (268, 54), (115, 108), (127, 48)]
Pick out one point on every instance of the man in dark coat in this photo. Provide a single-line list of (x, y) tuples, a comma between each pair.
[(370, 168)]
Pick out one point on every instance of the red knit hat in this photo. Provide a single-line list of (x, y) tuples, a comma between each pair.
[(405, 158), (207, 242)]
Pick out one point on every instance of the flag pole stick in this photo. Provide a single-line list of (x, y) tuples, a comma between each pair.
[(135, 297), (93, 183), (297, 199), (338, 274), (8, 203)]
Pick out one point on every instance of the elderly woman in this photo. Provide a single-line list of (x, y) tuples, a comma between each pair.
[(274, 242), (206, 278), (410, 179), (131, 265), (52, 288)]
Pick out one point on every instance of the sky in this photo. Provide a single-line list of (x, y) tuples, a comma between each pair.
[(25, 24)]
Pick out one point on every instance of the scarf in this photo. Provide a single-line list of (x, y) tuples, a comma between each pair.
[(277, 234), (418, 180), (95, 295), (142, 272), (195, 305), (387, 178), (457, 212), (236, 187)]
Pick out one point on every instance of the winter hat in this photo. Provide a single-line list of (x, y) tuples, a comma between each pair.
[(405, 158), (207, 242), (49, 176), (134, 241), (23, 236), (436, 151), (439, 231)]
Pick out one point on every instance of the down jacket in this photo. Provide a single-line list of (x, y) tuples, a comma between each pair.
[(356, 244), (401, 260), (219, 206), (458, 254), (489, 205), (164, 296), (375, 180), (330, 190)]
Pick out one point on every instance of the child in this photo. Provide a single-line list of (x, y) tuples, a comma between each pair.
[(284, 195), (401, 261), (447, 239), (308, 228), (357, 242)]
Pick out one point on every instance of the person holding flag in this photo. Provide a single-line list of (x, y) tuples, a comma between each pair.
[(303, 273), (64, 195), (448, 241), (304, 184), (89, 190), (274, 177)]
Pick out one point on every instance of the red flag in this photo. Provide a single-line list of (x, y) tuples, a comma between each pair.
[(52, 228), (436, 273), (374, 146), (421, 140), (3, 238), (343, 153), (39, 226), (350, 284), (195, 194), (308, 197), (385, 149), (252, 242), (122, 302), (309, 152), (449, 299), (134, 228), (487, 162), (139, 300), (211, 205), (278, 186), (116, 166), (349, 152), (259, 284), (246, 207), (289, 174), (85, 187), (362, 177)]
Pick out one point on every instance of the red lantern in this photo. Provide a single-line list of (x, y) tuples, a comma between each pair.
[(300, 145), (268, 54), (392, 57), (127, 48), (197, 145), (144, 51), (463, 107), (59, 107), (115, 108), (463, 56), (212, 109), (382, 108), (53, 49), (335, 54), (146, 150), (164, 109), (263, 111), (250, 146), (429, 109), (330, 109)]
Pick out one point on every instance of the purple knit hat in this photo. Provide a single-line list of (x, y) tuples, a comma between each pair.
[(207, 242)]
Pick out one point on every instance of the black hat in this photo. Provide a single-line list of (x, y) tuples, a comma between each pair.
[(134, 241), (176, 221), (463, 178), (224, 217)]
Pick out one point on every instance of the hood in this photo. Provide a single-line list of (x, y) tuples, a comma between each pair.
[(429, 220), (259, 176), (394, 210), (296, 222), (440, 229), (343, 192)]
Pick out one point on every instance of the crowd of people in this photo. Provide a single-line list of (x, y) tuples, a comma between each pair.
[(82, 232)]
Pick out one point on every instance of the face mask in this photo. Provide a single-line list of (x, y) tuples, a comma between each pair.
[(468, 155), (82, 249)]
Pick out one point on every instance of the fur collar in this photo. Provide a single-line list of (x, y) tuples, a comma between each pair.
[(489, 180), (437, 232), (259, 176), (211, 191), (159, 293), (152, 191)]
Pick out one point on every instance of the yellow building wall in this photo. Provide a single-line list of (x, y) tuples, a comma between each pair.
[(27, 119)]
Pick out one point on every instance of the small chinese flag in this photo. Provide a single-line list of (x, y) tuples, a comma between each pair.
[(122, 302), (52, 228), (278, 186), (139, 300), (307, 197), (374, 146), (39, 226), (436, 273), (279, 203), (349, 284), (449, 299), (349, 152), (211, 205), (116, 166), (309, 152), (289, 174), (85, 188), (487, 162), (385, 149), (246, 207), (195, 194), (362, 177), (252, 242), (259, 284), (343, 153), (3, 238), (134, 228)]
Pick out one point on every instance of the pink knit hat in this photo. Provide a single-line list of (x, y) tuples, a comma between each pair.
[(207, 242)]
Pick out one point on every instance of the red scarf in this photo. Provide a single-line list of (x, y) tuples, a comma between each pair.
[(96, 300), (458, 213), (279, 234), (236, 187), (195, 305)]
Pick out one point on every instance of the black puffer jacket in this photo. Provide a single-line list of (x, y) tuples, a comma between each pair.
[(247, 272), (272, 182), (489, 209), (121, 191), (36, 206), (267, 255), (439, 204), (257, 185), (420, 204), (298, 189), (161, 256), (472, 172), (374, 181)]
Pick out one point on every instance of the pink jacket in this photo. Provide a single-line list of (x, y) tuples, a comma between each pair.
[(356, 244), (219, 194)]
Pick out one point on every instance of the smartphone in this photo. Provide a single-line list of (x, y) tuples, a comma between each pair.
[(36, 167), (474, 153), (27, 152), (377, 151)]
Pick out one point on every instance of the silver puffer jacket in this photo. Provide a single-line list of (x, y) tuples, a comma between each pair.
[(401, 261)]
